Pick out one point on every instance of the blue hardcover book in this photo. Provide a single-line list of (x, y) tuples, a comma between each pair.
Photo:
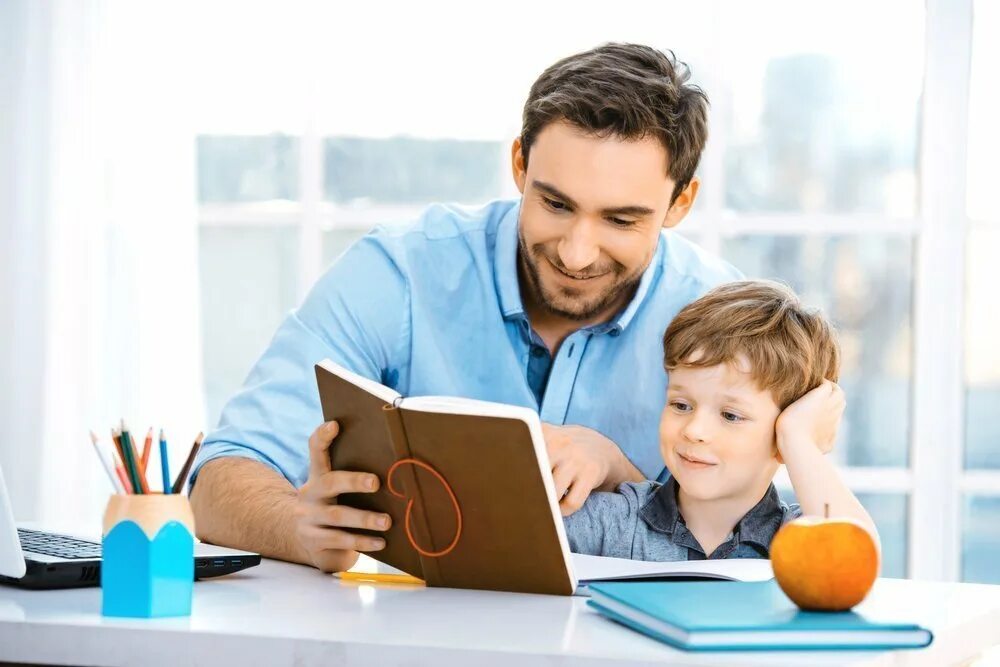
[(743, 616)]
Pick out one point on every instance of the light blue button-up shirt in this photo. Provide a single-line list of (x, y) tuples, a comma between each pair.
[(435, 309)]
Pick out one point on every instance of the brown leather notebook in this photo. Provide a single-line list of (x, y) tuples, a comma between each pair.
[(473, 480)]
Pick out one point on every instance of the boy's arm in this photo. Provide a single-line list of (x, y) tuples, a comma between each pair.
[(605, 525), (815, 478)]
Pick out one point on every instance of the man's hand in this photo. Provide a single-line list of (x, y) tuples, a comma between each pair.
[(319, 520), (813, 419), (583, 460)]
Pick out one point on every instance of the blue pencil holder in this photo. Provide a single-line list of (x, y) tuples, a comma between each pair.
[(148, 556)]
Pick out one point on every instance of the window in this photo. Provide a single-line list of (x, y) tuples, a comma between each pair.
[(981, 460), (816, 174)]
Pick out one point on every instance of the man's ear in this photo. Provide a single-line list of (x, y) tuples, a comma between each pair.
[(683, 204), (518, 168)]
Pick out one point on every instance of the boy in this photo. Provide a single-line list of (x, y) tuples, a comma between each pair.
[(751, 372)]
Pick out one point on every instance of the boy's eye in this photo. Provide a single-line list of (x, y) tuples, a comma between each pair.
[(680, 406), (732, 417)]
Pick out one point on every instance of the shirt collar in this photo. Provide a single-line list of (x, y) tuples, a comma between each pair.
[(757, 526), (505, 275), (505, 264)]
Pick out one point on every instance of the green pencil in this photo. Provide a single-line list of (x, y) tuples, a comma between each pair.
[(130, 462)]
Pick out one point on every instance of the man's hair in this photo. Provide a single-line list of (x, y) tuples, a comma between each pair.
[(791, 349), (628, 91)]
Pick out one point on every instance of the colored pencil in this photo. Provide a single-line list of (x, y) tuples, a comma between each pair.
[(146, 447), (107, 464), (120, 462), (164, 463), (183, 474), (132, 461)]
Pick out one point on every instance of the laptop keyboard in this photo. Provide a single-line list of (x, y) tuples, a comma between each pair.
[(60, 546)]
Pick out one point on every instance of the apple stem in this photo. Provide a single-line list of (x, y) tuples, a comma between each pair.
[(826, 510)]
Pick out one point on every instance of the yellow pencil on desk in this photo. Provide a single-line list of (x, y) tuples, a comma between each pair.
[(378, 578)]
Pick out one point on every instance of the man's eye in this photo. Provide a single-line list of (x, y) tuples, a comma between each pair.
[(555, 204), (620, 222), (732, 417)]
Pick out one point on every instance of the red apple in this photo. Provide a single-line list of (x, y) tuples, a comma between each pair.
[(825, 564)]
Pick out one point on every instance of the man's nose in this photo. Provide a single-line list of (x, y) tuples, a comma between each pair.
[(578, 248)]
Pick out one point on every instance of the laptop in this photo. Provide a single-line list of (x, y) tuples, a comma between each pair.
[(40, 559)]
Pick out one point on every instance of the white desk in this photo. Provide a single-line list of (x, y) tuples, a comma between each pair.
[(279, 614)]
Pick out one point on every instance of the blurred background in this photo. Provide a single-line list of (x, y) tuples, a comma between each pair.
[(174, 177)]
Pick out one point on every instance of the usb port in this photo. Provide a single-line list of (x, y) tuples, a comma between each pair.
[(219, 563), (236, 561), (201, 563)]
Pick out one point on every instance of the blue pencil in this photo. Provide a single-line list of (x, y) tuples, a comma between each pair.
[(164, 463)]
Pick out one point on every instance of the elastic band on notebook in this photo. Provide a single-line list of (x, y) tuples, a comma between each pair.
[(409, 507)]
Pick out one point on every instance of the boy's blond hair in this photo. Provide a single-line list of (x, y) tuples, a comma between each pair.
[(791, 349)]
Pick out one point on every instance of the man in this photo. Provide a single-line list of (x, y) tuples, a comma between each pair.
[(557, 301)]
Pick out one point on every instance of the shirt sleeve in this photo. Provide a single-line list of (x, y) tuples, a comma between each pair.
[(790, 512), (605, 525), (357, 315)]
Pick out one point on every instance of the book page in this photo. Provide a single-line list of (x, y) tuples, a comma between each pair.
[(599, 568)]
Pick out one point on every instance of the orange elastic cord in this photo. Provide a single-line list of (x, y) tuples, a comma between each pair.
[(409, 507)]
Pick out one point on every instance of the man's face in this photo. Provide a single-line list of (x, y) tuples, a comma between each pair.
[(717, 432), (591, 213)]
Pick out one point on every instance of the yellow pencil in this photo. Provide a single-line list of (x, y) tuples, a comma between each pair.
[(379, 578)]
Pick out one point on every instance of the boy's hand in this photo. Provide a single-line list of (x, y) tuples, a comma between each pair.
[(583, 460), (813, 419)]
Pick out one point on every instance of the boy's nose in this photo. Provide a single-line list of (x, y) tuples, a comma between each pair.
[(694, 430)]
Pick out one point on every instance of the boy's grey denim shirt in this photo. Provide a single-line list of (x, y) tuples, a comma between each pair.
[(641, 521)]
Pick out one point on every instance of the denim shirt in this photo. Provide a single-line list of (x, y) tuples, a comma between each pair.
[(641, 521), (434, 308)]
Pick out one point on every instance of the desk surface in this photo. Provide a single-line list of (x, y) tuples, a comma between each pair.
[(282, 614)]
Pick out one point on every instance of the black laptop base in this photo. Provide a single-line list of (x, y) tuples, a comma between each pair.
[(67, 574)]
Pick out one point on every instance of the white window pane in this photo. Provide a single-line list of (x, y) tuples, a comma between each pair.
[(984, 109), (817, 121), (247, 168), (336, 241), (890, 513), (248, 284), (981, 540), (403, 170), (863, 284), (982, 350)]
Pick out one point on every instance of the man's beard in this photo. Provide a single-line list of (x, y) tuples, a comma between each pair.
[(570, 308)]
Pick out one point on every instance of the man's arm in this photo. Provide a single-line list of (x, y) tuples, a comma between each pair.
[(244, 504)]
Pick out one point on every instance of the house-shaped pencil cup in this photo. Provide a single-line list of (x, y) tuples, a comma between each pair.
[(148, 556)]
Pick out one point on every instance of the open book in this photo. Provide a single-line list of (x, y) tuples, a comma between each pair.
[(477, 506), (483, 462)]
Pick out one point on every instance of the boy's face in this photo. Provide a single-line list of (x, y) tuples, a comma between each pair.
[(717, 432), (591, 215)]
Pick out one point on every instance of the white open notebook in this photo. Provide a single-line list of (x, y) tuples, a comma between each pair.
[(590, 569)]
